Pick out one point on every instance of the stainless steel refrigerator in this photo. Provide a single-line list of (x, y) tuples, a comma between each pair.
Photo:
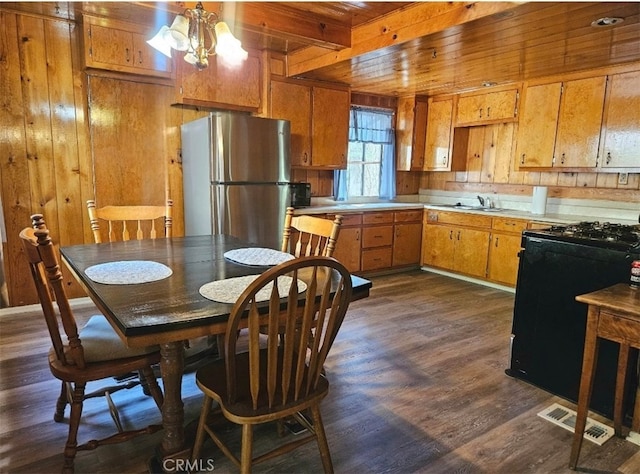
[(236, 171)]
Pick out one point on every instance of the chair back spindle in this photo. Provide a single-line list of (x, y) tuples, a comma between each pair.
[(142, 220), (305, 236)]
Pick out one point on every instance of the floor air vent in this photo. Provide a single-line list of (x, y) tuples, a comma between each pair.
[(566, 418)]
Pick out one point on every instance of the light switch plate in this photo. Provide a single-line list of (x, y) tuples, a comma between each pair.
[(623, 178)]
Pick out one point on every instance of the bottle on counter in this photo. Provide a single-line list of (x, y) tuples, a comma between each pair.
[(634, 280)]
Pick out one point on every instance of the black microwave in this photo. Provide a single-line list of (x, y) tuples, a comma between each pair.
[(300, 194)]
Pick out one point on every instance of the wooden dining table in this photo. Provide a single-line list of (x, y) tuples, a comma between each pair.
[(169, 311)]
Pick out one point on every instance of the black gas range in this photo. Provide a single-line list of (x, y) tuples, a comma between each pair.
[(598, 234), (547, 340)]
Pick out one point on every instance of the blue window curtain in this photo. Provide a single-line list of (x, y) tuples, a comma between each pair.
[(371, 126)]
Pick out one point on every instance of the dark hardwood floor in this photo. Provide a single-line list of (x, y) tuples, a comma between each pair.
[(417, 385)]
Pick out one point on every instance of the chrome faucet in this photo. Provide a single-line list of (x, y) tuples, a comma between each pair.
[(486, 201)]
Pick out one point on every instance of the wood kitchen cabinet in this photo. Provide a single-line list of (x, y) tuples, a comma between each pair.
[(438, 141), (621, 122), (456, 241), (120, 46), (319, 119), (504, 246), (571, 140), (536, 137), (411, 127), (219, 85), (348, 246), (483, 108), (407, 237), (579, 122), (377, 240)]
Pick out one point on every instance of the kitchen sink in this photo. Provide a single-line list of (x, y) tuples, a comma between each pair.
[(470, 208)]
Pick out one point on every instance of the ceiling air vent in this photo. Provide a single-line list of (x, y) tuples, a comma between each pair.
[(606, 21)]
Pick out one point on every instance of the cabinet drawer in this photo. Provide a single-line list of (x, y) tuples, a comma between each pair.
[(347, 219), (459, 218), (375, 259), (408, 216), (509, 225), (378, 236), (377, 218)]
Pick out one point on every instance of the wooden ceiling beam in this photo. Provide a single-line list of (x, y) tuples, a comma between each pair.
[(398, 27), (286, 23)]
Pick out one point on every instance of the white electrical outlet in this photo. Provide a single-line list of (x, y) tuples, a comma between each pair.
[(623, 178)]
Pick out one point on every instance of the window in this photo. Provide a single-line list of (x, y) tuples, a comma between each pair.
[(371, 156)]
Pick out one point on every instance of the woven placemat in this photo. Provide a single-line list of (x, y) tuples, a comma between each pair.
[(258, 256), (229, 290), (128, 272)]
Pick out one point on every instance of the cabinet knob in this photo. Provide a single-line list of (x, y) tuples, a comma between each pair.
[(139, 57), (522, 159), (480, 112), (608, 157), (450, 235), (127, 54), (488, 111), (562, 159), (305, 158), (458, 235), (496, 243)]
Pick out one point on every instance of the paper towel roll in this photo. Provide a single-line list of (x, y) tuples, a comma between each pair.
[(539, 200)]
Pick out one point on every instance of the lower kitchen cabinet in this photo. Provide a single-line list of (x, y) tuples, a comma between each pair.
[(348, 246), (474, 245), (506, 237), (407, 237), (379, 241)]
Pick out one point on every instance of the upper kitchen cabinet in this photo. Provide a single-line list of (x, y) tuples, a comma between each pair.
[(439, 136), (490, 107), (559, 125), (221, 85), (621, 122), (579, 122), (537, 125), (411, 125), (437, 154), (319, 119), (120, 46)]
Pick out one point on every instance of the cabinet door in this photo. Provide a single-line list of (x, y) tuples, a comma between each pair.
[(293, 102), (407, 244), (236, 88), (411, 125), (330, 127), (438, 137), (147, 58), (621, 139), (537, 125), (347, 250), (482, 108), (578, 135), (503, 258), (437, 246), (471, 250), (109, 47)]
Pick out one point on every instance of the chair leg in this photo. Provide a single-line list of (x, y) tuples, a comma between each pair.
[(61, 404), (204, 414), (148, 378), (74, 422), (321, 437), (247, 449)]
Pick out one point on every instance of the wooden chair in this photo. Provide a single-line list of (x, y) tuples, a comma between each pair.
[(311, 235), (119, 219), (95, 352), (283, 379)]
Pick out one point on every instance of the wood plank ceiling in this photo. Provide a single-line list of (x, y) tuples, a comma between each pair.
[(520, 42), (426, 48)]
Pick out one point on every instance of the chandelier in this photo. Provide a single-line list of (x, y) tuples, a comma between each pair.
[(199, 34)]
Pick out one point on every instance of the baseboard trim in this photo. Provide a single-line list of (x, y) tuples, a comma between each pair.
[(469, 279)]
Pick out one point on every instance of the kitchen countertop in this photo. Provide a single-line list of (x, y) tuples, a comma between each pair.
[(512, 213)]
